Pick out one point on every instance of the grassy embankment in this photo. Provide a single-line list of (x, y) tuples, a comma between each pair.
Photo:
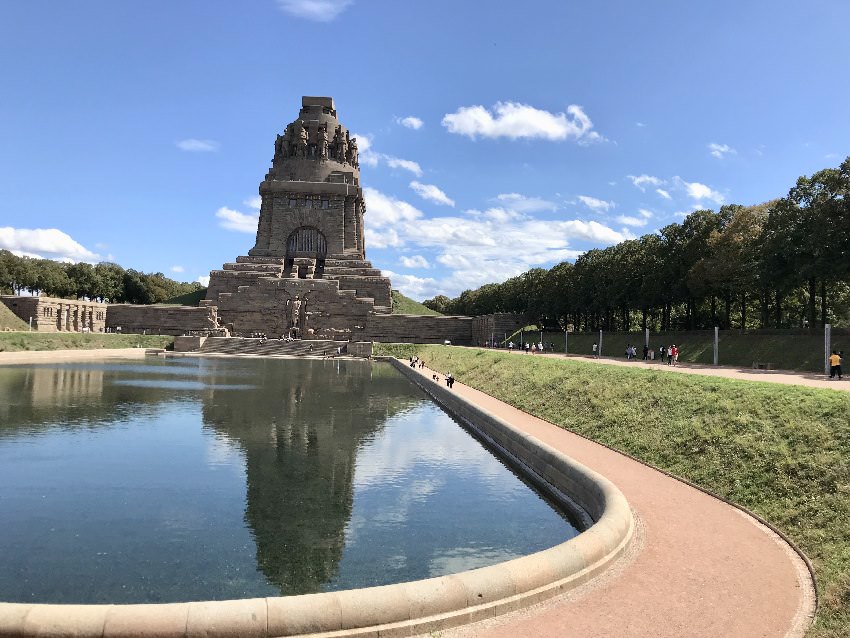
[(783, 452), (790, 351), (406, 306), (19, 341), (10, 321), (189, 299)]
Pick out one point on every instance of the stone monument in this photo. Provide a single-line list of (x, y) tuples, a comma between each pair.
[(307, 274)]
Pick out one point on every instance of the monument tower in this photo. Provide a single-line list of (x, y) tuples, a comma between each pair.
[(307, 274)]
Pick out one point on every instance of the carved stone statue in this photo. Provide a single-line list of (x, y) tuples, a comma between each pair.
[(341, 145), (322, 142), (295, 314), (301, 142), (352, 152)]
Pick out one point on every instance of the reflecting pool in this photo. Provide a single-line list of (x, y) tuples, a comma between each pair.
[(199, 479)]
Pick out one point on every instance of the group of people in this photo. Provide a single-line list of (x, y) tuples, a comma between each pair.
[(531, 347), (416, 362), (668, 354)]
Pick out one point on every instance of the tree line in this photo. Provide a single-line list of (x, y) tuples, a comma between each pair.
[(781, 264), (105, 282)]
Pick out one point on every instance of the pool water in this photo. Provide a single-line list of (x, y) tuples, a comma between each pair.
[(207, 479)]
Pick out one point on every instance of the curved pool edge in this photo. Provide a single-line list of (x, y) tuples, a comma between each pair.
[(401, 609)]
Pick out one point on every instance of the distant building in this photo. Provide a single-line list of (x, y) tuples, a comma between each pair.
[(50, 314)]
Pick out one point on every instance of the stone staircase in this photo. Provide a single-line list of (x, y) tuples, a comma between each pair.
[(271, 347)]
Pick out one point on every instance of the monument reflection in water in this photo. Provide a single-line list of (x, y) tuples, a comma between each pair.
[(216, 479)]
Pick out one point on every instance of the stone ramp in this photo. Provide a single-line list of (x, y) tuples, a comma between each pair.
[(271, 347)]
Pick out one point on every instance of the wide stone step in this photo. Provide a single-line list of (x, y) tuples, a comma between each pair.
[(270, 347)]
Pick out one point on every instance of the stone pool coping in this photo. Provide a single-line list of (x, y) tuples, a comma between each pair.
[(402, 609)]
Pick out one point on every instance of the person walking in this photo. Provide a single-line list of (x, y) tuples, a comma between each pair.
[(835, 365), (595, 349)]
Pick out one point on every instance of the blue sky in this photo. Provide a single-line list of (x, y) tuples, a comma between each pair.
[(500, 136)]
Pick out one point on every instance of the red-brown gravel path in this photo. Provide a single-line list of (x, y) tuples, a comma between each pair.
[(700, 567)]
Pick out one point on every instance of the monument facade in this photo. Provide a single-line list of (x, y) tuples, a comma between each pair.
[(307, 274)]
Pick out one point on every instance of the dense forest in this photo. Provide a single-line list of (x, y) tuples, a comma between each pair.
[(781, 264), (101, 282)]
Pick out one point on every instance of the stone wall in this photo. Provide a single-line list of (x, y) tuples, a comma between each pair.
[(497, 325), (163, 320), (416, 329), (51, 314), (326, 312)]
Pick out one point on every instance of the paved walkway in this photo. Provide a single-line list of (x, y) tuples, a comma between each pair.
[(787, 377), (699, 568)]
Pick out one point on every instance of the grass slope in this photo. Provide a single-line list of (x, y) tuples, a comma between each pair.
[(406, 306), (189, 299), (10, 321), (19, 341), (783, 452)]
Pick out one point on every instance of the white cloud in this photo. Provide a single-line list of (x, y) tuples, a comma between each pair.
[(414, 261), (523, 204), (721, 150), (631, 221), (413, 286), (204, 280), (642, 181), (432, 193), (197, 146), (384, 209), (254, 202), (411, 122), (48, 243), (408, 165), (521, 121), (646, 214), (640, 124), (177, 269), (234, 220), (478, 246), (596, 205), (699, 192), (663, 193), (316, 10), (370, 157), (365, 153)]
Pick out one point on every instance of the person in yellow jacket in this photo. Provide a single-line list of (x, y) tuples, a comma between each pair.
[(834, 365)]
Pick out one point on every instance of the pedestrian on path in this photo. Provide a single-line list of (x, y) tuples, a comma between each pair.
[(595, 349), (835, 365)]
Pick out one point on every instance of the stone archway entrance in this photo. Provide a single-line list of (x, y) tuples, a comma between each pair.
[(306, 249)]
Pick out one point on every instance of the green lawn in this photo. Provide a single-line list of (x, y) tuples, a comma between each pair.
[(19, 341), (783, 452), (406, 306)]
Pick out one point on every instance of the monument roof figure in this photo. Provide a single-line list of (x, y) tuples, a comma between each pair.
[(326, 102)]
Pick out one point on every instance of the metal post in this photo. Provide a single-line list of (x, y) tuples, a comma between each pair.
[(827, 343), (30, 324), (565, 340), (646, 337), (716, 344), (600, 344)]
